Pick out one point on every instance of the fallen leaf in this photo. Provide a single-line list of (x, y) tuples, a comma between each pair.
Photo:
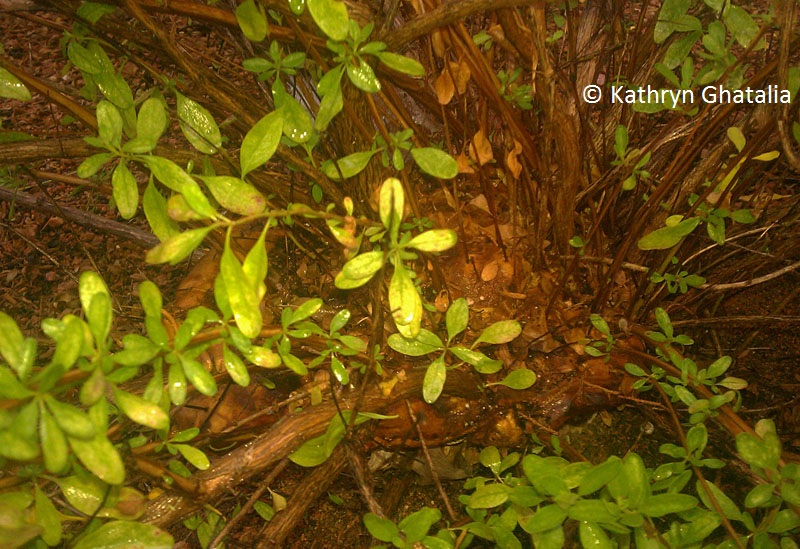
[(445, 89), (480, 149)]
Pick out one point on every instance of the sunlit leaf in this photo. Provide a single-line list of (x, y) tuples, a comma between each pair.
[(120, 533), (500, 332), (235, 195), (126, 192), (198, 125), (433, 383), (437, 240), (11, 87), (348, 166), (141, 411), (405, 303), (252, 20), (435, 162), (667, 237), (330, 16), (176, 249), (261, 142)]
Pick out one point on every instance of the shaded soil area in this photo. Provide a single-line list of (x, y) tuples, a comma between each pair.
[(578, 400)]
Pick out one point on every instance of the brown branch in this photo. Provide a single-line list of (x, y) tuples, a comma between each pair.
[(442, 16), (103, 224)]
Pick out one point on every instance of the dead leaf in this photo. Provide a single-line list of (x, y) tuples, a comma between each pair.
[(463, 74), (480, 149), (480, 203), (445, 89), (464, 164), (512, 162), (489, 271)]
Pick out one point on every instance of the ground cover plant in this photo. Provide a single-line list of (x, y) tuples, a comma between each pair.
[(393, 237)]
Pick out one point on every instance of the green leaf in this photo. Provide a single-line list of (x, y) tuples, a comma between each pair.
[(92, 12), (592, 535), (381, 528), (595, 510), (151, 122), (457, 318), (719, 366), (760, 496), (198, 376), (488, 496), (115, 89), (11, 87), (261, 142), (482, 363), (332, 99), (109, 123), (255, 265), (433, 383), (11, 341), (297, 124), (194, 456), (242, 296), (665, 504), (306, 309), (176, 249), (137, 350), (756, 453), (740, 24), (500, 332), (599, 476), (252, 20), (425, 342), (729, 508), (437, 240), (435, 162), (198, 125), (416, 525), (672, 11), (54, 444), (155, 210), (92, 165), (742, 216), (363, 77), (48, 517), (69, 342), (126, 192), (74, 422), (119, 534), (546, 518), (401, 63), (518, 379), (405, 303), (100, 457), (331, 17), (141, 411), (235, 195), (84, 59), (363, 265), (667, 237), (350, 165), (235, 367), (176, 384), (391, 204)]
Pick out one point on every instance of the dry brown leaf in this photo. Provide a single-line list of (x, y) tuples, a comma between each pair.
[(489, 271), (480, 149), (463, 74), (437, 41), (464, 165), (512, 162), (445, 89), (481, 203)]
